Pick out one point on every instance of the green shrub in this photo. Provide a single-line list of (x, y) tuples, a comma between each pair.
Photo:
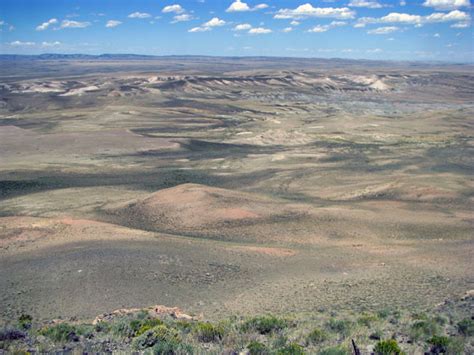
[(208, 332), (147, 324), (85, 330), (123, 328), (424, 328), (257, 348), (24, 322), (172, 347), (387, 347), (184, 325), (158, 334), (291, 349), (340, 326), (334, 350), (439, 344), (265, 324), (466, 327), (317, 336), (60, 333), (102, 327)]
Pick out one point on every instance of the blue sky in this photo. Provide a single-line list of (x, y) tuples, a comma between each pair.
[(372, 29)]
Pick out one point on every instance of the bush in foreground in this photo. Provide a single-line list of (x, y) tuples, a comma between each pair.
[(387, 347), (265, 324), (208, 332)]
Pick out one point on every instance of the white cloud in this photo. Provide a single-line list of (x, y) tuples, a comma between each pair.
[(182, 18), (199, 29), (383, 30), (418, 20), (455, 15), (437, 35), (238, 6), (371, 4), (375, 50), (259, 31), (22, 44), (447, 4), (112, 23), (176, 8), (287, 29), (461, 25), (325, 28), (74, 24), (214, 22), (403, 3), (46, 24), (307, 10), (50, 44), (260, 7), (209, 25), (243, 27), (294, 23), (139, 15)]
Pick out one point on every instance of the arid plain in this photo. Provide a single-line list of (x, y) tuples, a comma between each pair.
[(233, 186)]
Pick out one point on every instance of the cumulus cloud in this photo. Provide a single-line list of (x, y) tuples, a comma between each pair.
[(287, 29), (447, 4), (243, 27), (112, 23), (383, 30), (307, 10), (371, 4), (139, 15), (325, 28), (176, 8), (409, 19), (259, 31), (74, 24), (209, 25), (46, 24), (240, 6), (214, 22)]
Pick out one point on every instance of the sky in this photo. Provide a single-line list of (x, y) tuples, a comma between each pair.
[(427, 30)]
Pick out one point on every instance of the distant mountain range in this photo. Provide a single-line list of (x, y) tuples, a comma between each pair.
[(255, 59)]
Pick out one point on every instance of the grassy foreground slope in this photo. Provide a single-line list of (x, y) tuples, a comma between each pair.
[(447, 329)]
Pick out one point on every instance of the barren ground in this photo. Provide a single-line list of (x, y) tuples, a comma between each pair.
[(235, 188)]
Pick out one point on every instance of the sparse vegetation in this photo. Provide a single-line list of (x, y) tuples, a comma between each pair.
[(24, 321), (265, 324), (340, 326), (424, 329), (257, 348), (334, 350), (317, 336), (387, 347), (466, 327), (158, 334), (259, 335), (61, 333), (208, 332)]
